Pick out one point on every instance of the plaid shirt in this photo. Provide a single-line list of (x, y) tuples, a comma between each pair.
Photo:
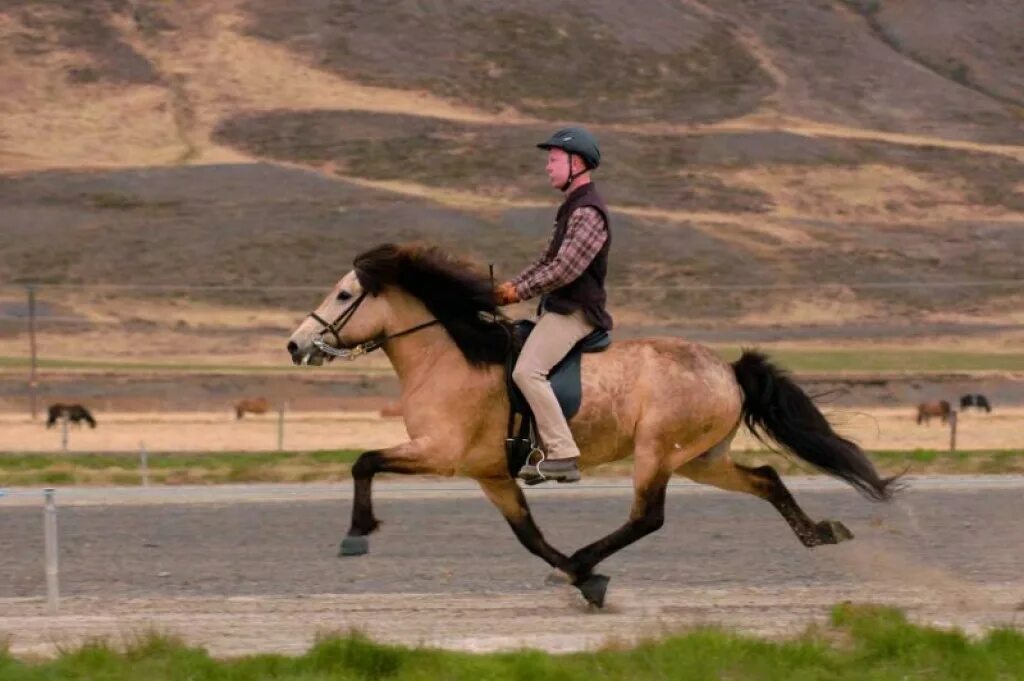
[(584, 236)]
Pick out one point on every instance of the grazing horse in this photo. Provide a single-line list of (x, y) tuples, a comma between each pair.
[(926, 410), (976, 400), (673, 405), (253, 405), (75, 413)]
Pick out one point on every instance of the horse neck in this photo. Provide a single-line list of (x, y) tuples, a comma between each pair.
[(417, 356)]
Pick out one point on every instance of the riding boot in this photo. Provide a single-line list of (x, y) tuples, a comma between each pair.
[(559, 470)]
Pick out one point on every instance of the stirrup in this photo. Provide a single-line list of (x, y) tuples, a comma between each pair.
[(540, 475)]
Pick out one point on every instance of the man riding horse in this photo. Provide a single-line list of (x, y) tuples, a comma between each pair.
[(671, 405), (569, 277)]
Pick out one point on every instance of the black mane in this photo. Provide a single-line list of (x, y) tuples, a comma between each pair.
[(454, 290)]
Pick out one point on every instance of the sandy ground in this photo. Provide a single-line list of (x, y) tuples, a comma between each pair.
[(238, 575), (874, 428), (199, 431)]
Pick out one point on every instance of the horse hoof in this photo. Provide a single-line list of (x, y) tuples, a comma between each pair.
[(593, 589), (834, 532), (353, 545)]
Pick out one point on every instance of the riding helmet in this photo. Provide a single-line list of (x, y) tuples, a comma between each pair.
[(576, 140)]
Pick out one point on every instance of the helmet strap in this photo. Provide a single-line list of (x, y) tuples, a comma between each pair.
[(572, 176)]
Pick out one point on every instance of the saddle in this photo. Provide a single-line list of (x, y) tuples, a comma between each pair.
[(565, 380)]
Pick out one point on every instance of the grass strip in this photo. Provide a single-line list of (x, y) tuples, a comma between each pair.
[(34, 469), (858, 643), (848, 360), (30, 469), (869, 360)]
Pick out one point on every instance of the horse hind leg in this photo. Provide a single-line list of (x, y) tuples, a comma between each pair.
[(717, 469)]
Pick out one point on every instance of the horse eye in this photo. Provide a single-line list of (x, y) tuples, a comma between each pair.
[(344, 295)]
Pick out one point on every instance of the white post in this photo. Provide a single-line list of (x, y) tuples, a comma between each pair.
[(64, 433), (280, 426), (50, 543), (144, 464)]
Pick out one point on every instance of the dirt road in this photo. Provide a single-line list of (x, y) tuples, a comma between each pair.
[(239, 574)]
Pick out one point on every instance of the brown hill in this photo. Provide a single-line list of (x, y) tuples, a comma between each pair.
[(241, 141)]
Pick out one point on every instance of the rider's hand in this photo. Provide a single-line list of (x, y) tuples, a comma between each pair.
[(505, 294)]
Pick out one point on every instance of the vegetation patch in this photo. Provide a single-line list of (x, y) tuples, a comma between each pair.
[(29, 469), (170, 468), (858, 643)]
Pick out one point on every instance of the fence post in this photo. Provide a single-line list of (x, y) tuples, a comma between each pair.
[(952, 430), (33, 382), (280, 425), (64, 432), (144, 464), (50, 543)]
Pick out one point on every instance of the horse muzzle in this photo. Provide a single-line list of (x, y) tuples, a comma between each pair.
[(309, 356)]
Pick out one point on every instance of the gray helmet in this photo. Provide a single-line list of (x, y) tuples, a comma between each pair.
[(576, 141)]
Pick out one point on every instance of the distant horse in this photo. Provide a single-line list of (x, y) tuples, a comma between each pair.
[(975, 400), (926, 410), (75, 413), (391, 409), (672, 405), (253, 405)]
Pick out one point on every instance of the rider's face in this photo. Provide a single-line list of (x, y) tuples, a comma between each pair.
[(558, 167)]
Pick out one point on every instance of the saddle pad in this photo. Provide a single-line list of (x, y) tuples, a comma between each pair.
[(564, 376)]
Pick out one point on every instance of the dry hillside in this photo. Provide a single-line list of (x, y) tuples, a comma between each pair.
[(771, 142)]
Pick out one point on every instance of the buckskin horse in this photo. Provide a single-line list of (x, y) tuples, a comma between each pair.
[(673, 405)]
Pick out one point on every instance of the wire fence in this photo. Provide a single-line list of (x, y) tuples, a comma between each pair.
[(186, 357)]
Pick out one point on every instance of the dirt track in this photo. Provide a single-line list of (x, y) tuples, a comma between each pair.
[(240, 575)]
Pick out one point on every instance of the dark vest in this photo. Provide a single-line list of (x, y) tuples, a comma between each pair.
[(586, 292)]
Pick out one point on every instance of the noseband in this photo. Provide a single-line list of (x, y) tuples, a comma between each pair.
[(362, 348)]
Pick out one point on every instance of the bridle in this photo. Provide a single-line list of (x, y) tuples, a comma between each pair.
[(362, 348)]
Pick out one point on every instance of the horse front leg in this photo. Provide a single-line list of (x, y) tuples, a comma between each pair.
[(409, 458), (506, 495)]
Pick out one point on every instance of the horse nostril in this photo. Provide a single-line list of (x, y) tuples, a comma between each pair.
[(292, 348)]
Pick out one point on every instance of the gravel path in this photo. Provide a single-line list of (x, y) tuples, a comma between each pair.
[(237, 573)]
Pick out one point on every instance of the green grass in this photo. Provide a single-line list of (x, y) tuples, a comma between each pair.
[(916, 462), (860, 643), (31, 469), (19, 469), (877, 360)]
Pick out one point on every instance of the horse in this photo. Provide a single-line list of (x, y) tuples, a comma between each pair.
[(253, 405), (926, 410), (975, 400), (75, 413), (391, 409), (671, 404)]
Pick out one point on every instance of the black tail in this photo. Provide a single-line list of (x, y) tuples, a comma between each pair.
[(774, 405)]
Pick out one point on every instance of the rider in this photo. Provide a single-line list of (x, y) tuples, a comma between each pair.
[(569, 277)]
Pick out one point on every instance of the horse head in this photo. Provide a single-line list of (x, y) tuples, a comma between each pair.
[(348, 316)]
